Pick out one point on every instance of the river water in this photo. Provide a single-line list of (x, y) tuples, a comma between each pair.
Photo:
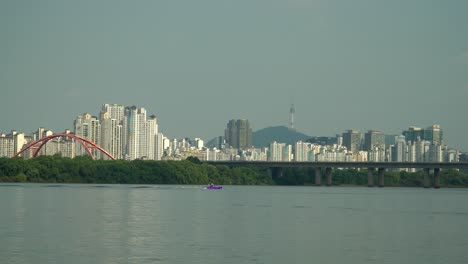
[(50, 223)]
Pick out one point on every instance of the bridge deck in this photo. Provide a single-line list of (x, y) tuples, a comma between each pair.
[(326, 164)]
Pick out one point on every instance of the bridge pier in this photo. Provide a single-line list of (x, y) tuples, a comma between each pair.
[(318, 176), (437, 178), (370, 177), (276, 168), (426, 181), (381, 172), (328, 174), (276, 172)]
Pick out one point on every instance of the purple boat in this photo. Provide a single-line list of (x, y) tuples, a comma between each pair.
[(214, 187)]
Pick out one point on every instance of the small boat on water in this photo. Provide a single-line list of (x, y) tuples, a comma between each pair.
[(214, 187)]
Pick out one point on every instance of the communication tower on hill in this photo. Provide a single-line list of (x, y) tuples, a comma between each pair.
[(291, 117)]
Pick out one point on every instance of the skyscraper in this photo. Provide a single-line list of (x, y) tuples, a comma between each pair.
[(352, 140), (238, 134), (433, 134), (374, 139), (413, 133)]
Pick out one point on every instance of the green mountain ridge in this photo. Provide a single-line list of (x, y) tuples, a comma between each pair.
[(281, 134), (263, 137)]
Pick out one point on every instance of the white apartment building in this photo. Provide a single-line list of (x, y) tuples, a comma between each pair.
[(287, 153), (88, 126), (111, 135), (159, 146), (279, 152), (117, 112), (376, 155), (212, 154), (135, 126), (6, 146), (12, 143), (301, 151), (150, 137), (199, 143), (60, 145)]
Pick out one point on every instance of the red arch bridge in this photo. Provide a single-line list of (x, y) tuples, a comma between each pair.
[(87, 144)]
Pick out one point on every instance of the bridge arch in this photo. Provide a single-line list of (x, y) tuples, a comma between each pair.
[(87, 144)]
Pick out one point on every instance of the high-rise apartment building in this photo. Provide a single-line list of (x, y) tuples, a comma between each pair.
[(339, 139), (6, 146), (117, 112), (276, 151), (111, 135), (399, 151), (435, 153), (374, 139), (141, 135), (199, 143), (135, 126), (238, 134), (150, 138), (88, 126), (159, 146), (352, 140), (301, 151), (287, 153), (11, 144)]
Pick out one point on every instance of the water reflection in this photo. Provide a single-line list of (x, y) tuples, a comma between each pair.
[(186, 224)]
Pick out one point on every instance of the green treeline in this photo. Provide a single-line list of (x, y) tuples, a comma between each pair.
[(55, 169)]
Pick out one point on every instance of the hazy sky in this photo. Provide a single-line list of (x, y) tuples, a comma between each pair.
[(195, 64)]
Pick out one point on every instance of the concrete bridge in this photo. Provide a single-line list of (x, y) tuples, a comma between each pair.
[(276, 168)]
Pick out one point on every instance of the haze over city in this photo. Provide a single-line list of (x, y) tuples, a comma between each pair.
[(197, 64)]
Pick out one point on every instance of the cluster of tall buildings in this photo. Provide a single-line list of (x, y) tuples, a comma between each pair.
[(128, 132), (414, 145), (12, 143), (125, 132)]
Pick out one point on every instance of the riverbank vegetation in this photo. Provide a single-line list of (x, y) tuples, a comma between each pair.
[(55, 169)]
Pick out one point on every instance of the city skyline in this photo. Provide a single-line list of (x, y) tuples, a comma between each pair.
[(116, 112), (108, 111), (361, 64), (128, 133)]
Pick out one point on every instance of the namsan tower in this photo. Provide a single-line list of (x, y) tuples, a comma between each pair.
[(292, 110)]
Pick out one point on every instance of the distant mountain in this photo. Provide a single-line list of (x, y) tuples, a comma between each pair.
[(281, 134), (263, 137)]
